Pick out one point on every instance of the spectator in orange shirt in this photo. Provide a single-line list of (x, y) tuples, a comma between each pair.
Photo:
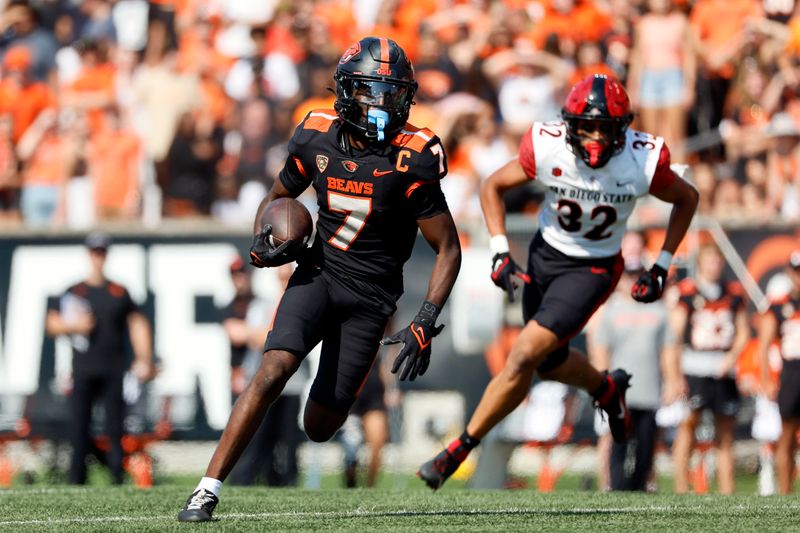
[(48, 159), (717, 25), (94, 87), (572, 21), (9, 177), (588, 61), (113, 157), (20, 95)]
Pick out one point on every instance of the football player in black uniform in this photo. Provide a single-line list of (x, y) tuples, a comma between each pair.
[(377, 182), (782, 323)]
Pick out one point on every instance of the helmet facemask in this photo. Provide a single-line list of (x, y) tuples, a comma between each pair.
[(597, 115), (596, 140)]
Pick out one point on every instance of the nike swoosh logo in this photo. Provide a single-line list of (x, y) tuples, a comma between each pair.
[(378, 173), (598, 270), (623, 183), (419, 333)]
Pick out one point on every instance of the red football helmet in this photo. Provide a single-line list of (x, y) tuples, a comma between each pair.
[(597, 104)]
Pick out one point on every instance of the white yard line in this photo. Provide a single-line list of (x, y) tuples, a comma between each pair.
[(358, 513)]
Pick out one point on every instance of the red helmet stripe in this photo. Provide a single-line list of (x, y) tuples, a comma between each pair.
[(384, 49), (617, 101), (578, 96)]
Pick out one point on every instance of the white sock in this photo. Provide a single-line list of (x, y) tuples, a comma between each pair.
[(211, 485)]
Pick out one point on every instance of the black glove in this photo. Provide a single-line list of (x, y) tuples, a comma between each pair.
[(416, 339), (503, 267), (650, 285), (264, 254)]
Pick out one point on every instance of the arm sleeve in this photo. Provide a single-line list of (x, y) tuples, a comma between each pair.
[(294, 175), (663, 175), (526, 157)]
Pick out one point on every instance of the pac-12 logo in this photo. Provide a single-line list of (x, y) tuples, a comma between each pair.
[(322, 162), (350, 53)]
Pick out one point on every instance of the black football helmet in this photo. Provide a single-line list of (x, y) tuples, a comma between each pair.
[(597, 103), (375, 87)]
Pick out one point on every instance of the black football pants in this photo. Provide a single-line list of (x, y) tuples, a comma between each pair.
[(86, 391)]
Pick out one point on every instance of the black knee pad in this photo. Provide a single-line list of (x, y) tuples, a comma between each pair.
[(554, 359)]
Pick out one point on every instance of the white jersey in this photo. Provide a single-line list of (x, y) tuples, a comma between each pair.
[(586, 210)]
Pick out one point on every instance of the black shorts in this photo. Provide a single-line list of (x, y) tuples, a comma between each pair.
[(718, 394), (316, 307), (565, 291), (371, 396), (789, 393)]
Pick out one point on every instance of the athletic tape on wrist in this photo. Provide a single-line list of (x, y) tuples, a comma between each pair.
[(664, 259), (499, 244)]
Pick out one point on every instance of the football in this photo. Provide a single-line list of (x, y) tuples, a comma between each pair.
[(290, 220)]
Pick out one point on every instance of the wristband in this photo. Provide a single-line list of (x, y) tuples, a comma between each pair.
[(428, 313), (664, 260), (499, 244)]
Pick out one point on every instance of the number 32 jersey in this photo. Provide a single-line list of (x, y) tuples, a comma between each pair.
[(369, 201), (586, 209)]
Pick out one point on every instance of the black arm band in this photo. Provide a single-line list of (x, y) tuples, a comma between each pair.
[(428, 313)]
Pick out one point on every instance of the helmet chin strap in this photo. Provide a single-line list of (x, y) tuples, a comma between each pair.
[(379, 118)]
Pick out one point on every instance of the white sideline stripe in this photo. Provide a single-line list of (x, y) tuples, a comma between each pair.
[(359, 513)]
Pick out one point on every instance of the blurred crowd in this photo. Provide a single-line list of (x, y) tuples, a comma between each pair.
[(132, 110)]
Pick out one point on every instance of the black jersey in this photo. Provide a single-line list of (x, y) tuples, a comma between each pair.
[(103, 352), (787, 313), (370, 200), (711, 325)]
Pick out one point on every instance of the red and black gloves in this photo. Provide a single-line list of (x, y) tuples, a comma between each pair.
[(503, 268), (650, 285), (264, 253), (416, 339)]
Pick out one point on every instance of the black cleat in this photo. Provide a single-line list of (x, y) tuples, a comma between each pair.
[(613, 403), (199, 507), (436, 471)]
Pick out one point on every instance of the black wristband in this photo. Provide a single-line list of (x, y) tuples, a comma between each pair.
[(428, 313)]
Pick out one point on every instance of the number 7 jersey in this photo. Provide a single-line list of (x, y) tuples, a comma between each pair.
[(369, 200), (586, 209)]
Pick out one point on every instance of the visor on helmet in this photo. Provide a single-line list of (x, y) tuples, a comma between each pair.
[(377, 93)]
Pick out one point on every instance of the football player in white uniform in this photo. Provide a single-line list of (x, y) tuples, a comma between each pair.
[(593, 169)]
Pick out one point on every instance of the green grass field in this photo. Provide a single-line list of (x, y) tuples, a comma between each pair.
[(415, 508)]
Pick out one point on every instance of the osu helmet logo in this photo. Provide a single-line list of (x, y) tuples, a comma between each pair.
[(350, 53)]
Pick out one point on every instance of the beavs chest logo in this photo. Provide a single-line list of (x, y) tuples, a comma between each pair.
[(350, 186)]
